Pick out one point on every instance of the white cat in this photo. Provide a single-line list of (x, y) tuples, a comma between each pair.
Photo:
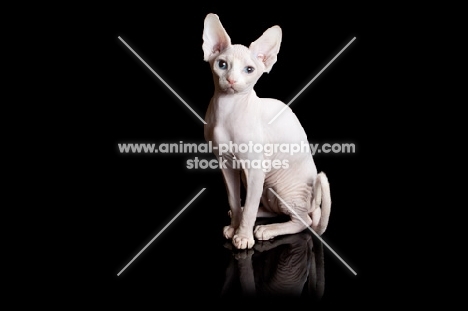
[(237, 116)]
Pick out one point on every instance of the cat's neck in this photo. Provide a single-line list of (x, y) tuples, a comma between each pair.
[(235, 100), (226, 105)]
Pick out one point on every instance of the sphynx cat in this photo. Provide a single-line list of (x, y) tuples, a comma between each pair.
[(236, 116)]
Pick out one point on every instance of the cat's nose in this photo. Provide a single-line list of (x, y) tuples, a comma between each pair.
[(231, 80)]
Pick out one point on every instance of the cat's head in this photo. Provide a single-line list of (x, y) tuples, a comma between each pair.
[(235, 67)]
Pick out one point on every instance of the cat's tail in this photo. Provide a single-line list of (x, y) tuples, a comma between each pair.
[(321, 204)]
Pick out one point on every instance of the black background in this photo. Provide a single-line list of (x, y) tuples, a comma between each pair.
[(125, 200)]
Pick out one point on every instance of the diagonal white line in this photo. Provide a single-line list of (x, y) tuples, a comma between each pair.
[(281, 111), (162, 230), (167, 85), (308, 227)]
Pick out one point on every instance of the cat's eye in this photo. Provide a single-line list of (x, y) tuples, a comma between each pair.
[(222, 64), (249, 69)]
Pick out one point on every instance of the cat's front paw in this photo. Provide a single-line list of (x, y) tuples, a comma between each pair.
[(228, 232), (243, 242)]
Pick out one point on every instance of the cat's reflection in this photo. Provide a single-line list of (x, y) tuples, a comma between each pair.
[(290, 265)]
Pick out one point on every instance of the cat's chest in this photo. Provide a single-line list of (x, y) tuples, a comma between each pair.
[(239, 133), (235, 120)]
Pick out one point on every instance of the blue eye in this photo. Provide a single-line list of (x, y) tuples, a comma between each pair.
[(249, 69), (222, 64)]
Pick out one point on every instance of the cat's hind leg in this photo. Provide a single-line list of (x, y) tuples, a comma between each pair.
[(294, 225), (261, 213), (294, 202), (264, 213)]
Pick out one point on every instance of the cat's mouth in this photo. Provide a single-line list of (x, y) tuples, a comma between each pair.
[(230, 89)]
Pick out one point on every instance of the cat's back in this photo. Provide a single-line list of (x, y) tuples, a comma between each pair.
[(280, 122), (279, 112)]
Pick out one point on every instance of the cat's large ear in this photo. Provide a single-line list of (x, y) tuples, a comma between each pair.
[(215, 38), (267, 47)]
